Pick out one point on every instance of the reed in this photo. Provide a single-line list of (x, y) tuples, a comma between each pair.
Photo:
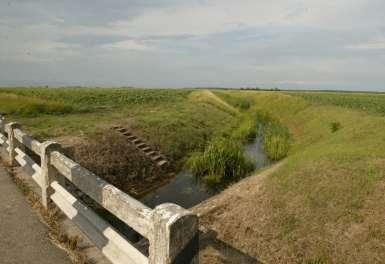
[(276, 140), (221, 162), (276, 137)]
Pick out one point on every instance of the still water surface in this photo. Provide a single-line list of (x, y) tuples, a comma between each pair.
[(187, 191)]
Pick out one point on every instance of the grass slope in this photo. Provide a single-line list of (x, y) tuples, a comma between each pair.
[(178, 121), (325, 204)]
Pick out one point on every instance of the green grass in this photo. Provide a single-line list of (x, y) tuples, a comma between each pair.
[(241, 102), (331, 182), (370, 102), (222, 162), (177, 121), (257, 121), (276, 140), (247, 129), (94, 99), (12, 104)]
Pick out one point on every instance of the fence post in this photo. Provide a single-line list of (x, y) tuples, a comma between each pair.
[(174, 238), (48, 172), (12, 141), (2, 126)]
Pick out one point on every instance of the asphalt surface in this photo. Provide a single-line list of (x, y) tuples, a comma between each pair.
[(23, 238)]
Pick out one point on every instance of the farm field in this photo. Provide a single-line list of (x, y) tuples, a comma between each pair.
[(175, 121), (324, 203), (162, 116), (370, 102)]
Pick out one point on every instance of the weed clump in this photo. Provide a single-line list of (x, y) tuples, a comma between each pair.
[(276, 140), (276, 137), (335, 126), (243, 103), (221, 162), (247, 131)]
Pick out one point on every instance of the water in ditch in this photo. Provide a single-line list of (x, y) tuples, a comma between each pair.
[(186, 191)]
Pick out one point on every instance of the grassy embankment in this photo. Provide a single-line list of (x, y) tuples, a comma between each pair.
[(325, 204), (176, 121), (223, 161)]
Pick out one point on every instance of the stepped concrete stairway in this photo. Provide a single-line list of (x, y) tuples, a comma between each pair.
[(154, 155)]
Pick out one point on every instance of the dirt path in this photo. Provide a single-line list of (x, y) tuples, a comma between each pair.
[(23, 238), (231, 206)]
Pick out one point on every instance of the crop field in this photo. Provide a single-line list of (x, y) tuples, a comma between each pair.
[(371, 102), (73, 112), (323, 204)]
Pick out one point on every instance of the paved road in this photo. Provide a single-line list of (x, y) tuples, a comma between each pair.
[(23, 238)]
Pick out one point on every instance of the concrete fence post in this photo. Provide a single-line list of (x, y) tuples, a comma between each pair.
[(48, 172), (2, 125), (174, 236), (9, 128)]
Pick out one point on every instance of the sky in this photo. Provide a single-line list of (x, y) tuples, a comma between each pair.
[(289, 44)]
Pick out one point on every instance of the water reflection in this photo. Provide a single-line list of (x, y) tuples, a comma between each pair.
[(255, 152), (186, 191)]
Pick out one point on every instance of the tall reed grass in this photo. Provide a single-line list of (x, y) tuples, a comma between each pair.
[(221, 162), (276, 140), (276, 137), (247, 130)]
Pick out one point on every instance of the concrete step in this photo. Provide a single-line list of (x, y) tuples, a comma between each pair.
[(157, 158), (141, 145), (154, 155), (147, 149), (162, 163)]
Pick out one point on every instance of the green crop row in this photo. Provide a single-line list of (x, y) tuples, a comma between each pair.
[(370, 102)]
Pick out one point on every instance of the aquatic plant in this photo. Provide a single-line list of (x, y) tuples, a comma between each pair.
[(247, 130), (276, 137), (276, 140), (221, 162)]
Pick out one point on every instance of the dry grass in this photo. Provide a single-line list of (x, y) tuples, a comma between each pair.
[(110, 156), (325, 204)]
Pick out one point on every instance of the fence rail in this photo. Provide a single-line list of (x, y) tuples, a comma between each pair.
[(171, 230)]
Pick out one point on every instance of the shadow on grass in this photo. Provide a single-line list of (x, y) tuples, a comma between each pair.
[(228, 252)]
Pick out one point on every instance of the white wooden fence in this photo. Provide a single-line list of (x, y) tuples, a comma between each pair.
[(171, 230)]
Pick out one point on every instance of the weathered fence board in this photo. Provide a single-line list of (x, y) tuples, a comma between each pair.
[(2, 139), (29, 166), (126, 208), (112, 244), (27, 141), (170, 229)]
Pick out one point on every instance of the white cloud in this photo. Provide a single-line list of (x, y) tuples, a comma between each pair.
[(205, 42), (41, 50), (372, 45), (226, 15), (126, 45)]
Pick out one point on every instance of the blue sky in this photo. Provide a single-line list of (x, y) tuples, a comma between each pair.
[(304, 44)]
